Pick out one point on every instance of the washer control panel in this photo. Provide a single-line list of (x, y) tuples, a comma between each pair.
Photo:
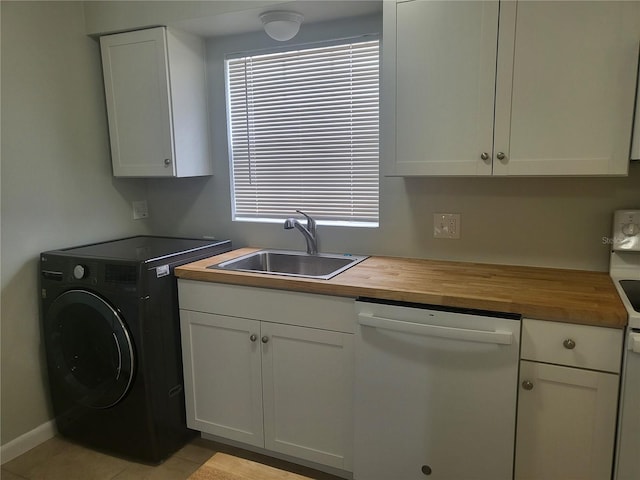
[(70, 270), (626, 230)]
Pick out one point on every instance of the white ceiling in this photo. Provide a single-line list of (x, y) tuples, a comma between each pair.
[(243, 21)]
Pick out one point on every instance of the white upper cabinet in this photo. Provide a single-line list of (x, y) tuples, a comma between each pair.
[(156, 103), (565, 87), (444, 76), (554, 98)]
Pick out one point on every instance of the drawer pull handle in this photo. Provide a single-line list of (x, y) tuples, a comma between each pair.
[(527, 385), (569, 344)]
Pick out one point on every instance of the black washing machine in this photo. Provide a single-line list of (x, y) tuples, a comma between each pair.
[(111, 332)]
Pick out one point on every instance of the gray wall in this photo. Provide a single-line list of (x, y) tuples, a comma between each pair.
[(57, 189), (556, 222)]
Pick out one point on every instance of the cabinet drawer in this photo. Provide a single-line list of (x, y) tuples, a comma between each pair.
[(580, 346)]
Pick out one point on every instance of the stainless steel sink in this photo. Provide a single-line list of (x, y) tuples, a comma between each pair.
[(321, 266)]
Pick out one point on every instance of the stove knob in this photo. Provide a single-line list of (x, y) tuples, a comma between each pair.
[(630, 229), (80, 272)]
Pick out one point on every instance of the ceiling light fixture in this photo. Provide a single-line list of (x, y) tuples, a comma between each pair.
[(281, 25)]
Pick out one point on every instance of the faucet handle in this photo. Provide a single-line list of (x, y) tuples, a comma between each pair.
[(311, 223)]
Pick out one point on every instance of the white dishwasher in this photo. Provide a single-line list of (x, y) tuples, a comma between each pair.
[(435, 392)]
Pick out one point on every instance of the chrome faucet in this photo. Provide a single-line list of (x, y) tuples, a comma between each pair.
[(309, 232)]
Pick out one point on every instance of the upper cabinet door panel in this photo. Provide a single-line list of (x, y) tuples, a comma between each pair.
[(138, 102), (445, 59), (569, 108)]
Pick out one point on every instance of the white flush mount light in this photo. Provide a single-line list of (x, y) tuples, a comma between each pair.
[(281, 25)]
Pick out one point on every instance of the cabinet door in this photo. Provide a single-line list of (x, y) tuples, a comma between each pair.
[(223, 386), (443, 82), (137, 94), (565, 87), (307, 381), (566, 423)]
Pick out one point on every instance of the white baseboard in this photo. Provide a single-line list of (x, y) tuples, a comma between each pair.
[(26, 442)]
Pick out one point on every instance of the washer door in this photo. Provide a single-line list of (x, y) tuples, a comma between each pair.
[(89, 349)]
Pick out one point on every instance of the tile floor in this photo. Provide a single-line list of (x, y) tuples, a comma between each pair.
[(59, 459)]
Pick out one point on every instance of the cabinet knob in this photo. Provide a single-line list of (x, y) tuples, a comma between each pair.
[(501, 156), (265, 339), (527, 385), (484, 156), (569, 344), (253, 337), (167, 162), (426, 469)]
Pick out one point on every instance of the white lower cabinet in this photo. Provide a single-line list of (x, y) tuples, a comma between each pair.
[(223, 377), (307, 388), (275, 370), (271, 384), (567, 411)]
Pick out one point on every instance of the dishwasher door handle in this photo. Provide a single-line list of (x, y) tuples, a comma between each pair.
[(499, 337)]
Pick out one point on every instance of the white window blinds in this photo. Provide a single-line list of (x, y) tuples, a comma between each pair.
[(304, 133)]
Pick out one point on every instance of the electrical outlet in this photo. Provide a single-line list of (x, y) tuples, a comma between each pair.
[(140, 209), (446, 225)]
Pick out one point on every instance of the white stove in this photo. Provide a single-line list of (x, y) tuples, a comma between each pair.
[(625, 261), (625, 272)]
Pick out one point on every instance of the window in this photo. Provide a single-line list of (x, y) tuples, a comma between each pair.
[(304, 133)]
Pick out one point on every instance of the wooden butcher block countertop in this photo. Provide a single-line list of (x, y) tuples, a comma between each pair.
[(572, 296)]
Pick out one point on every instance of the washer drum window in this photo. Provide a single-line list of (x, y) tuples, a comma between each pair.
[(89, 349)]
